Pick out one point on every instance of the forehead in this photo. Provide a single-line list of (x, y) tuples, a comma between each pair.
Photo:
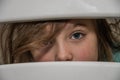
[(82, 23), (73, 23)]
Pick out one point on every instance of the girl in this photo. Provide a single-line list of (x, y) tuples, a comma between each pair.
[(59, 40)]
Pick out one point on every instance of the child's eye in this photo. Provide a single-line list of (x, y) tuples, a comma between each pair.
[(77, 35), (48, 43)]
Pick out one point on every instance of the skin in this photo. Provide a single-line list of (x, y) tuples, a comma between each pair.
[(76, 42)]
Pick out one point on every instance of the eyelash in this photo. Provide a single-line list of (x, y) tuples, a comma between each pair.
[(81, 35)]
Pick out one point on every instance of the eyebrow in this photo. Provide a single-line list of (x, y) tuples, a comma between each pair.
[(79, 24)]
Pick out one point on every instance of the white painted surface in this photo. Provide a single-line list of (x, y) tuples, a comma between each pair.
[(61, 71), (26, 10)]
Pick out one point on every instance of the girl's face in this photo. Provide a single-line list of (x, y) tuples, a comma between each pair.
[(76, 42)]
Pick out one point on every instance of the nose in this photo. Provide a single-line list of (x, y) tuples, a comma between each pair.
[(63, 54)]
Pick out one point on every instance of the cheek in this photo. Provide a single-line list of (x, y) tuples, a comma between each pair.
[(86, 54), (40, 56), (45, 58), (86, 51)]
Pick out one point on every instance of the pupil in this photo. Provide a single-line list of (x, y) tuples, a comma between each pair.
[(76, 35)]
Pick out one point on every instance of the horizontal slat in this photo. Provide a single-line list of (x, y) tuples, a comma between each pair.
[(25, 10)]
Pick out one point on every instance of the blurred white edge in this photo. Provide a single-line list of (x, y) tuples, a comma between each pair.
[(82, 63), (61, 71), (34, 10)]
